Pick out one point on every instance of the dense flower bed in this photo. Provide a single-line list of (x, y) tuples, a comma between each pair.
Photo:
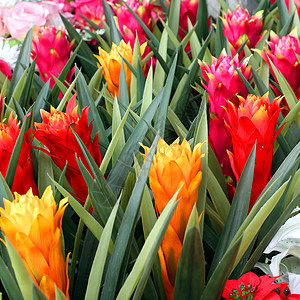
[(149, 150)]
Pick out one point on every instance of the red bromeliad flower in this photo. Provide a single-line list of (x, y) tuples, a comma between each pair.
[(23, 179), (52, 51), (240, 25), (250, 286), (222, 83), (56, 134), (282, 53), (254, 120)]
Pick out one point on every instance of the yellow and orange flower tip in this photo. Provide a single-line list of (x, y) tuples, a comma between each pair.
[(254, 120), (174, 166), (112, 63), (33, 226)]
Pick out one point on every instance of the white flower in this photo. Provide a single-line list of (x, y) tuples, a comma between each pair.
[(287, 242), (9, 52)]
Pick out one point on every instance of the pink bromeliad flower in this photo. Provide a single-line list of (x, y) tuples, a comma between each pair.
[(222, 83), (91, 9), (129, 26), (282, 53), (240, 25), (52, 51)]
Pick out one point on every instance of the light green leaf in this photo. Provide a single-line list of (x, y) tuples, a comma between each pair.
[(155, 235), (95, 278), (23, 278)]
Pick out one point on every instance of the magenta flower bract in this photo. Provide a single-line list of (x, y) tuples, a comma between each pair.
[(282, 53), (222, 83), (52, 51), (240, 25)]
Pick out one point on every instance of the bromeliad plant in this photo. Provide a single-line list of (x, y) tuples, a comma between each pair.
[(136, 143)]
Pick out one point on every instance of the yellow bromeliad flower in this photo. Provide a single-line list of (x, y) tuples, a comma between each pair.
[(33, 226), (112, 63), (174, 166)]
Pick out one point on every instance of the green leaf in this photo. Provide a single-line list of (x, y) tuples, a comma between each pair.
[(161, 115), (85, 54), (147, 94), (9, 282), (179, 128), (23, 62), (85, 98), (217, 281), (26, 91), (150, 248), (202, 20), (40, 102), (119, 257), (115, 146), (84, 215), (190, 274), (119, 171), (37, 294), (238, 211), (254, 226), (282, 12), (159, 75), (123, 89), (13, 102), (23, 278), (173, 16), (115, 35), (45, 171), (201, 136), (95, 83), (68, 94), (63, 74), (95, 278), (149, 218), (246, 82), (59, 295), (219, 39), (5, 191), (218, 197), (182, 95)]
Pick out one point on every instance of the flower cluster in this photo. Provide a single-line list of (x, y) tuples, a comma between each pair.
[(174, 167), (33, 226)]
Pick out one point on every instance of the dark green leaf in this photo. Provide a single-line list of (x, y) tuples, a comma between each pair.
[(119, 258), (190, 275), (115, 35), (22, 63), (238, 211)]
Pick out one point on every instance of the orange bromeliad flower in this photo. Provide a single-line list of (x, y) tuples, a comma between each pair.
[(112, 63), (23, 179), (56, 134), (253, 120), (33, 226), (173, 166)]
